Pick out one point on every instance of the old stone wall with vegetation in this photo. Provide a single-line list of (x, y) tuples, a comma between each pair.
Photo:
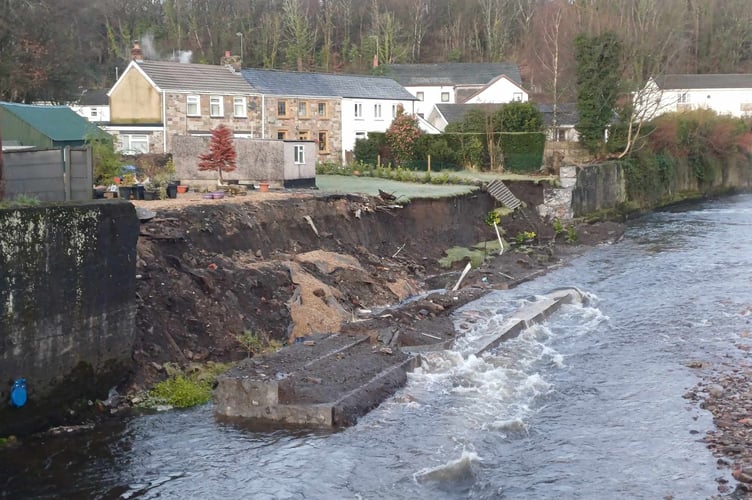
[(68, 305)]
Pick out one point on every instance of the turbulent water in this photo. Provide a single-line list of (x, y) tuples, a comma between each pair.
[(588, 405)]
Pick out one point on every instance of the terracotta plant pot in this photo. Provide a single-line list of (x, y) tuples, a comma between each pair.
[(263, 187), (182, 189)]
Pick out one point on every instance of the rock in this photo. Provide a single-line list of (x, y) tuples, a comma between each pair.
[(715, 390), (694, 364)]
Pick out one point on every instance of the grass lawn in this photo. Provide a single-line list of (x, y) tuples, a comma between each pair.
[(402, 190)]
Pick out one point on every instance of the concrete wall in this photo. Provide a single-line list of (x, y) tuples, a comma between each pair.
[(42, 174), (598, 187), (68, 305), (257, 160)]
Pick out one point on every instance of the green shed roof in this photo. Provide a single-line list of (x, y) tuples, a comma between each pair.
[(59, 123)]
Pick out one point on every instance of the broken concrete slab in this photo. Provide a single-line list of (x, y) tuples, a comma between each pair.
[(332, 380)]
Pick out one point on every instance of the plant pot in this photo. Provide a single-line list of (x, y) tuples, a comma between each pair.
[(182, 189), (138, 191), (125, 192), (151, 194), (263, 187), (172, 190)]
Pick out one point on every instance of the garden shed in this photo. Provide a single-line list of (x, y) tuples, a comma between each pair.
[(44, 127)]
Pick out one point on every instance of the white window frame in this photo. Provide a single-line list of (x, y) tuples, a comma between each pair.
[(377, 111), (359, 110), (394, 110), (239, 107), (322, 106), (299, 154), (190, 101), (361, 134), (420, 96), (517, 97), (141, 142), (683, 97), (303, 109), (218, 102), (445, 97)]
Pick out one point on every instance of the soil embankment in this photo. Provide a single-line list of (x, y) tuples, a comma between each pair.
[(288, 267)]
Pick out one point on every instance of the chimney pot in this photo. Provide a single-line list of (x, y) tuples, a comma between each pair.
[(136, 53)]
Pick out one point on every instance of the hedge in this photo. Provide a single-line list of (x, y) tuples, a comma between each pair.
[(523, 151)]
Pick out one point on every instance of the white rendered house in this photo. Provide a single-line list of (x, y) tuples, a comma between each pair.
[(726, 94), (459, 83)]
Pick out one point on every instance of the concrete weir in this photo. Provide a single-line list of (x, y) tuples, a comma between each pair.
[(332, 380)]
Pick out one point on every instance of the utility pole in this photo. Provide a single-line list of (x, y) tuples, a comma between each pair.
[(241, 48)]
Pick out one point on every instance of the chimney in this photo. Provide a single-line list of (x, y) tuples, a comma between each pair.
[(136, 53), (230, 62)]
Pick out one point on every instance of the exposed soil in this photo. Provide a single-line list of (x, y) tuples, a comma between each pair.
[(211, 269)]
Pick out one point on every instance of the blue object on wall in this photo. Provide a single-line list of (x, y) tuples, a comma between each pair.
[(18, 393)]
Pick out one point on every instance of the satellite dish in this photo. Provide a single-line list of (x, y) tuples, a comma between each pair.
[(252, 105)]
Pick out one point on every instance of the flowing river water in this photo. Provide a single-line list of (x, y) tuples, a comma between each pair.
[(588, 405)]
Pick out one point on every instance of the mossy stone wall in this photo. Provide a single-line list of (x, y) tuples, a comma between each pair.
[(67, 304)]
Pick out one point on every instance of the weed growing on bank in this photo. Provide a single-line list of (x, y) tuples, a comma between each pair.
[(185, 389)]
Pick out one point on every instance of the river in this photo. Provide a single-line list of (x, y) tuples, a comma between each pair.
[(588, 405)]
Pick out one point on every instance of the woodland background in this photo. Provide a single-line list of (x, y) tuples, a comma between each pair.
[(52, 49)]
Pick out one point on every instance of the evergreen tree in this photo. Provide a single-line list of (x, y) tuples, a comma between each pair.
[(598, 77), (221, 156)]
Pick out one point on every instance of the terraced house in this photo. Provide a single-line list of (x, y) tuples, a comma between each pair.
[(154, 101)]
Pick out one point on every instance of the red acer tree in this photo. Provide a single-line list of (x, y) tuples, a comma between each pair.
[(221, 156)]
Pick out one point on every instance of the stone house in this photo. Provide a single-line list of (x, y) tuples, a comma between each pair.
[(153, 101), (331, 109)]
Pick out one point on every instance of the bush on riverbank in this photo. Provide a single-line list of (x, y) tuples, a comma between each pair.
[(186, 389), (694, 151)]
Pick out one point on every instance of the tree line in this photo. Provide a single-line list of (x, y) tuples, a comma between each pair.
[(51, 49)]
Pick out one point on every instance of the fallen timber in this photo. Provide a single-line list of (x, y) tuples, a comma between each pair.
[(332, 380)]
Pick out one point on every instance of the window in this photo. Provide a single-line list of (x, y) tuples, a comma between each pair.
[(135, 143), (684, 97), (238, 107), (303, 135), (517, 97), (394, 110), (419, 96), (215, 106), (358, 110), (323, 142), (299, 154), (282, 134), (322, 109), (377, 111), (445, 97), (303, 109), (93, 112), (193, 105), (360, 135), (282, 108)]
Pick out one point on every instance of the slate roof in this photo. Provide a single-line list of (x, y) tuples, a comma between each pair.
[(94, 97), (411, 75), (721, 81), (566, 114), (456, 112), (59, 123), (293, 83), (174, 76)]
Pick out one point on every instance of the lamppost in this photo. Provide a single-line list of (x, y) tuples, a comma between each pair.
[(241, 47)]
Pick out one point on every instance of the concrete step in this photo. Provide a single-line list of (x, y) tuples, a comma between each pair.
[(332, 380)]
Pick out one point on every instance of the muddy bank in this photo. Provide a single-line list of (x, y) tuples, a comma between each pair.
[(291, 267)]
